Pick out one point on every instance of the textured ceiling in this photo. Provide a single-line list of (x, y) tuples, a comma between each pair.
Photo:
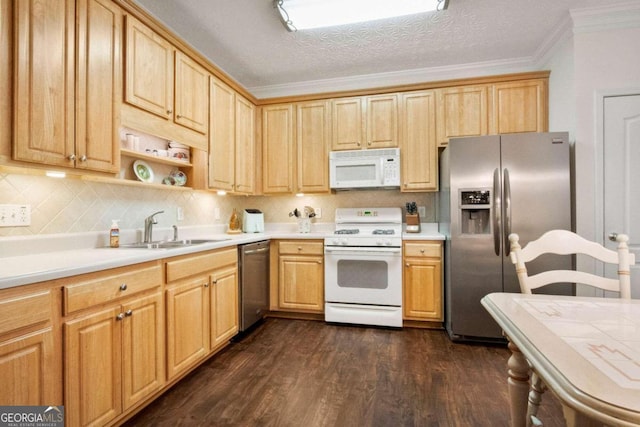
[(247, 40)]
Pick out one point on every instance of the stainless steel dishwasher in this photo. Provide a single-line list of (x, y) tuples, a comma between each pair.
[(254, 282)]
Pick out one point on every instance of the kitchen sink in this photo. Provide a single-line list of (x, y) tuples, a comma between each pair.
[(168, 244)]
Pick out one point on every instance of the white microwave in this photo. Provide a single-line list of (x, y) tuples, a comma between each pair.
[(377, 168)]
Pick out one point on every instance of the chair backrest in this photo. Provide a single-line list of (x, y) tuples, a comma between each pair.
[(563, 242)]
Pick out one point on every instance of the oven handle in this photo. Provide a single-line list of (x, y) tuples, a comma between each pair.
[(357, 250)]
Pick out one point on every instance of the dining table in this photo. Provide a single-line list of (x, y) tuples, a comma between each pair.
[(586, 350)]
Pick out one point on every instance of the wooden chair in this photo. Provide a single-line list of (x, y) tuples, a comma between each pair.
[(563, 242)]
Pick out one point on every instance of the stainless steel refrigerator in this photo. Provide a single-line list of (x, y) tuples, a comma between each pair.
[(490, 187)]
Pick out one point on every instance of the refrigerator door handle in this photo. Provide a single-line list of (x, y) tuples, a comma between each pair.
[(497, 210), (507, 212)]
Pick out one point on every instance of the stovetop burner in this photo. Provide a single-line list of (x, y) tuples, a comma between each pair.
[(348, 231), (383, 231)]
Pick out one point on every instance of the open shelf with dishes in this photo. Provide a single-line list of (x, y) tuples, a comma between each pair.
[(149, 160)]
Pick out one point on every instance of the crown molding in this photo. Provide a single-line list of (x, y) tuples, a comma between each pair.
[(604, 18), (396, 78)]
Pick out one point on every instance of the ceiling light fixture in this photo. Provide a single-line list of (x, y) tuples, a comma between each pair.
[(306, 14)]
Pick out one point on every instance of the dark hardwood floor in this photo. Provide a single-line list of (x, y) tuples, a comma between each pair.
[(308, 373)]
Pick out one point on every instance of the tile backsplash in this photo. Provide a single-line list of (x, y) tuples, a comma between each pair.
[(71, 205)]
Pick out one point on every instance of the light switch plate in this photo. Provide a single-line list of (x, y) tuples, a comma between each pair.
[(15, 215), (422, 211)]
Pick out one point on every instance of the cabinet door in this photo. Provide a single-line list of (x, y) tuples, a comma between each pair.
[(245, 161), (224, 305), (142, 348), (462, 111), (44, 79), (148, 70), (222, 137), (422, 289), (519, 107), (301, 283), (191, 94), (99, 85), (277, 149), (346, 124), (27, 370), (93, 368), (419, 154), (382, 121), (187, 319), (312, 140)]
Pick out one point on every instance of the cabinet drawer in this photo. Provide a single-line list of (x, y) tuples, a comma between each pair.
[(21, 311), (301, 247), (110, 286), (422, 249), (197, 264)]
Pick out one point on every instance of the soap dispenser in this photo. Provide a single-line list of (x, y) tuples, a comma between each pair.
[(114, 234)]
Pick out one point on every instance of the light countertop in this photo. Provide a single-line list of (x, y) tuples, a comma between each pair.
[(26, 260)]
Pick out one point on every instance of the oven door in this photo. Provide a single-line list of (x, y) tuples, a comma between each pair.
[(363, 275)]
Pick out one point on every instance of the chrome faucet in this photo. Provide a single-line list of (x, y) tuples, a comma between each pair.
[(148, 226)]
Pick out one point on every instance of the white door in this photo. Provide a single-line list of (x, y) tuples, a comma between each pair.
[(622, 176)]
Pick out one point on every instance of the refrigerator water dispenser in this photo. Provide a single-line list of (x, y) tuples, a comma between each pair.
[(475, 210)]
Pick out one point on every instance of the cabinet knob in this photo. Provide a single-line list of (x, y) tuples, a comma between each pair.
[(358, 144), (169, 111), (128, 313), (71, 157), (215, 281), (179, 116), (319, 262), (422, 251), (83, 158), (299, 248), (120, 316), (123, 287), (206, 285)]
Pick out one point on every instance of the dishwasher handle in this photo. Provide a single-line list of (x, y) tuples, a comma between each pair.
[(255, 251)]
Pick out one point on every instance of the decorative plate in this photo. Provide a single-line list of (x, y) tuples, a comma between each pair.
[(179, 177), (143, 171)]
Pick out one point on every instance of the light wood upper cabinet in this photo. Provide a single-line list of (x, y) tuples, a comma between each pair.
[(519, 106), (99, 85), (245, 146), (365, 122), (44, 79), (191, 94), (422, 292), (346, 124), (222, 154), (231, 140), (277, 149), (462, 111), (418, 151), (382, 121), (167, 83), (149, 70), (312, 142), (53, 124)]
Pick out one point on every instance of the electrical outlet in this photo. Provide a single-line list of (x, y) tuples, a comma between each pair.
[(15, 215), (318, 212), (180, 214), (422, 211)]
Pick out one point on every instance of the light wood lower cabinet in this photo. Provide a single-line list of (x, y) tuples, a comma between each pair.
[(27, 367), (113, 342), (422, 293), (300, 276), (113, 359), (202, 306)]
